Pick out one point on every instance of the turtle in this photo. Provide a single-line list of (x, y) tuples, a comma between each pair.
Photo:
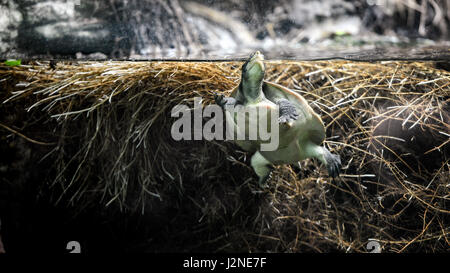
[(301, 130)]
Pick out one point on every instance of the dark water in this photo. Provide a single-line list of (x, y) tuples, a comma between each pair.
[(407, 53), (50, 227)]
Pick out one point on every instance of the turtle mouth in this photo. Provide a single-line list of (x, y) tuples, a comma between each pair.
[(256, 59)]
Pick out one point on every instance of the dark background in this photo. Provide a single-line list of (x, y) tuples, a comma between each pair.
[(208, 29)]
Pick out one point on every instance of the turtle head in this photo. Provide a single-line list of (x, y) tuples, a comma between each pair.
[(253, 68), (252, 76)]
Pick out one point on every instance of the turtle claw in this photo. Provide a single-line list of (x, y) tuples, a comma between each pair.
[(333, 165), (223, 101), (262, 182), (286, 120), (288, 112), (218, 98)]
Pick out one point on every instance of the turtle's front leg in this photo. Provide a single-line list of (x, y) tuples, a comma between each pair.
[(287, 111), (223, 101)]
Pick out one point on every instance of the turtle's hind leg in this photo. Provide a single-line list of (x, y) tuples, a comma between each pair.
[(262, 168), (334, 164), (331, 161)]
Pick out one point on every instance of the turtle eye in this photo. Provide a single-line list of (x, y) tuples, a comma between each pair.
[(255, 53)]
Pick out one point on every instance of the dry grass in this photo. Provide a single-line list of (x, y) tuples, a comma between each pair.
[(389, 121)]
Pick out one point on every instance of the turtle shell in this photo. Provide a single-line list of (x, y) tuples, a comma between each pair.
[(308, 121)]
